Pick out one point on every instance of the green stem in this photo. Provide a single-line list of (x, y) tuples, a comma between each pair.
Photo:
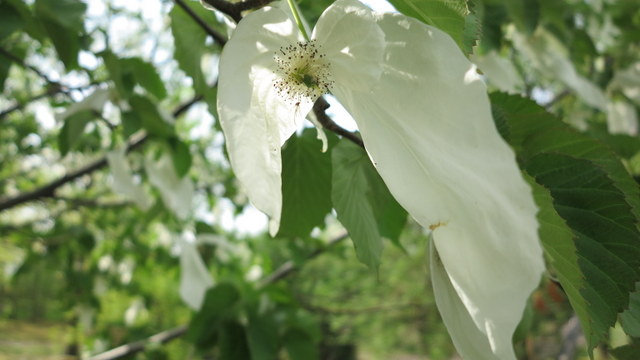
[(296, 16)]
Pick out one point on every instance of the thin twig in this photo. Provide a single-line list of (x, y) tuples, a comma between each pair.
[(20, 62), (280, 273), (234, 10), (319, 108), (219, 38), (49, 189)]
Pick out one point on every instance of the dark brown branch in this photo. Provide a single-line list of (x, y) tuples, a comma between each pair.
[(219, 38), (48, 190), (319, 109), (20, 62), (280, 273), (234, 10)]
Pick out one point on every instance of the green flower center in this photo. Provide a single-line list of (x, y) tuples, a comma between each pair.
[(304, 73)]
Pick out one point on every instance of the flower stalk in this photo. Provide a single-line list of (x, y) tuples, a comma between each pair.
[(298, 19)]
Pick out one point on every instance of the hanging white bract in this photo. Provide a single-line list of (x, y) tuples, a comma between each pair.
[(426, 122)]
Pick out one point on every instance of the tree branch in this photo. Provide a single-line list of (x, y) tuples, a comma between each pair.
[(49, 189), (319, 109), (280, 273), (219, 38), (234, 10)]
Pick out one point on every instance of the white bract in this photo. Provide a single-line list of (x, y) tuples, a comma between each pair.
[(425, 119)]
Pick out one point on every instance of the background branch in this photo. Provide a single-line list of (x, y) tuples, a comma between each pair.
[(49, 189), (219, 38), (280, 273), (319, 109)]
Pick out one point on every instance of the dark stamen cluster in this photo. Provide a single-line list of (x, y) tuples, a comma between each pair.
[(303, 72)]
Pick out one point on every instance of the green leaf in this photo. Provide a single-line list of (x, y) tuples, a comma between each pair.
[(181, 156), (300, 345), (146, 75), (72, 130), (363, 203), (189, 40), (627, 352), (219, 303), (63, 21), (10, 20), (122, 79), (630, 318), (263, 336), (306, 184), (130, 123), (560, 249), (233, 342), (525, 14), (66, 13), (594, 195), (447, 15), (150, 117)]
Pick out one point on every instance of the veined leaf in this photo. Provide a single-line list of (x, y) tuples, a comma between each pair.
[(595, 197), (449, 16), (306, 184), (363, 203)]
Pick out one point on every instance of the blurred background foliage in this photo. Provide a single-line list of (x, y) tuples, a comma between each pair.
[(113, 169)]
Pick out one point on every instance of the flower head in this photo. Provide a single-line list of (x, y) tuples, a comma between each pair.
[(425, 119)]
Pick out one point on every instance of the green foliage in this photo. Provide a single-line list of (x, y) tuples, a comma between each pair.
[(84, 256), (363, 203), (190, 39), (306, 180), (63, 21), (451, 16), (596, 198)]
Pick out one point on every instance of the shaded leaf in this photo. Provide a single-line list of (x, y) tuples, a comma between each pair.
[(181, 156), (150, 117), (596, 198), (306, 184), (300, 345), (263, 337), (218, 305), (233, 341), (73, 127), (146, 75), (363, 203)]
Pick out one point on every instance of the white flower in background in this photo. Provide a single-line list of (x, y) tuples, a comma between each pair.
[(425, 119)]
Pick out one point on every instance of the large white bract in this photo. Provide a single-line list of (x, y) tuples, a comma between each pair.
[(426, 123)]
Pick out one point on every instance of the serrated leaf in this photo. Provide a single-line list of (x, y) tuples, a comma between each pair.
[(189, 40), (150, 117), (594, 195), (630, 318), (355, 184), (447, 15), (306, 184)]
